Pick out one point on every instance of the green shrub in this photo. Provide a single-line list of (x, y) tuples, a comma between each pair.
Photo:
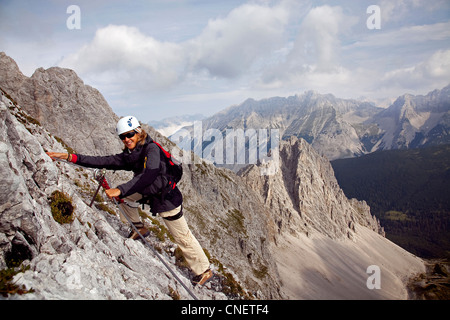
[(62, 207), (7, 286)]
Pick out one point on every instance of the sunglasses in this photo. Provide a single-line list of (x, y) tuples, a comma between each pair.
[(128, 135)]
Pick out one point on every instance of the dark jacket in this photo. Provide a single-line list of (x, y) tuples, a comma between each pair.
[(146, 161)]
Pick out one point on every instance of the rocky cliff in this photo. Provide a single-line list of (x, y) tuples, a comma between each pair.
[(305, 195), (57, 98), (264, 234), (88, 258)]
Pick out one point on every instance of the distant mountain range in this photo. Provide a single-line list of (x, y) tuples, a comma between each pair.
[(344, 128), (375, 150), (415, 121)]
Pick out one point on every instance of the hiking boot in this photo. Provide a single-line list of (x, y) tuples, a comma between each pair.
[(134, 235), (203, 278)]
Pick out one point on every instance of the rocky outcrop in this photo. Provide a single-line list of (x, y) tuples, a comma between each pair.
[(87, 259), (304, 196), (72, 111)]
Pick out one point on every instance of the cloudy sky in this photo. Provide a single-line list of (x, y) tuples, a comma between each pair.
[(161, 58)]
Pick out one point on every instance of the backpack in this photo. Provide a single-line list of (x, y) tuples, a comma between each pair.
[(174, 169)]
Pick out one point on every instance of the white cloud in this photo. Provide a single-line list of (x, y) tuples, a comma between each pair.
[(315, 53), (431, 73), (319, 37), (261, 49), (405, 36), (398, 9), (125, 53), (328, 56), (226, 48), (229, 46)]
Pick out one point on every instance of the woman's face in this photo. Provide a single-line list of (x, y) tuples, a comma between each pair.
[(130, 143)]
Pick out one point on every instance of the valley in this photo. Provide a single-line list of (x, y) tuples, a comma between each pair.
[(408, 191)]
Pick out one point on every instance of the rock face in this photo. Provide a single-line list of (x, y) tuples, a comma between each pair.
[(305, 195), (62, 103), (261, 231), (79, 260), (87, 259)]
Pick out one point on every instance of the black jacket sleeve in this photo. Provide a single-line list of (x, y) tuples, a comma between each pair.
[(114, 162)]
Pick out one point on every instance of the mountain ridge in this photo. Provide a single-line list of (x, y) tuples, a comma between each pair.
[(344, 128), (44, 97)]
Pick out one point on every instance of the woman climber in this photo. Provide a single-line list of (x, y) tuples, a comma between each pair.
[(144, 158)]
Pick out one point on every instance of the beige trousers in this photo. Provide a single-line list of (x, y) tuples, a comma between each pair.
[(189, 245)]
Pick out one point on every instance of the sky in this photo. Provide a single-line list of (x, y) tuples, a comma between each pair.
[(156, 59)]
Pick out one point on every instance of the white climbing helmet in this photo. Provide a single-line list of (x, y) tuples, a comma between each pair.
[(127, 124)]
